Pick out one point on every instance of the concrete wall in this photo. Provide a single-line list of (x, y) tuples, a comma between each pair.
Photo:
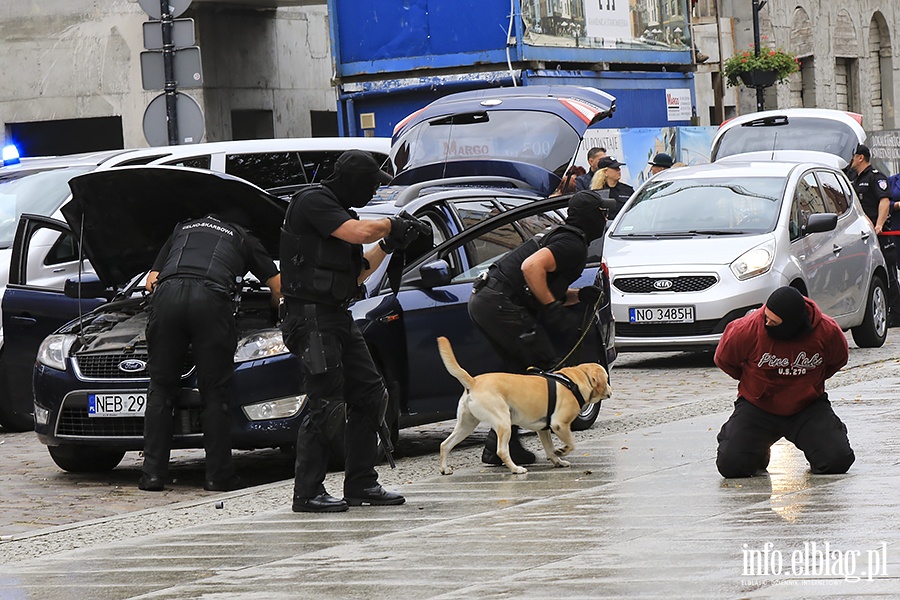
[(74, 59)]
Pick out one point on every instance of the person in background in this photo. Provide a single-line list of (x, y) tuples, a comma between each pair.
[(781, 356), (593, 157), (874, 194), (568, 183), (608, 177), (661, 162)]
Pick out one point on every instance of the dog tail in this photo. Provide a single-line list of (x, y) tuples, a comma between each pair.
[(452, 366)]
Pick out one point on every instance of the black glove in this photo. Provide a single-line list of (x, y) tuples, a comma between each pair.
[(589, 294), (405, 228), (557, 317)]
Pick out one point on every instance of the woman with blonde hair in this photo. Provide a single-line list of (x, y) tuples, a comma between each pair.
[(598, 181)]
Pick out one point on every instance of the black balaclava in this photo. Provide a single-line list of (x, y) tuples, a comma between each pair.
[(586, 213), (356, 176), (789, 304)]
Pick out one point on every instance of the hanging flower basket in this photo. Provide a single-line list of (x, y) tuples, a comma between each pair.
[(756, 79), (769, 68)]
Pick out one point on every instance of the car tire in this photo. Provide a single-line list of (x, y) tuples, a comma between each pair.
[(872, 332), (84, 459), (587, 417)]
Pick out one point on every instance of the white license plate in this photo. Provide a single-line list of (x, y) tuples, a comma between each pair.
[(662, 314), (122, 404)]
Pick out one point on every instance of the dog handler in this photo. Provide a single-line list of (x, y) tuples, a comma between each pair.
[(781, 356), (323, 267), (524, 295), (194, 281)]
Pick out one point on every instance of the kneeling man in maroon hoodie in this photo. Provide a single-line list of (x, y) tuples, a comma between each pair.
[(781, 356)]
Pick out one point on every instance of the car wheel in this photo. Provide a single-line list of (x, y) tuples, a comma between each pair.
[(872, 332), (84, 459), (587, 417)]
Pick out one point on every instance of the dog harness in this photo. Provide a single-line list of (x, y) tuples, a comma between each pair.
[(552, 380)]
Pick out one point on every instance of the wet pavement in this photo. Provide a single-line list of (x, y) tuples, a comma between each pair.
[(641, 514)]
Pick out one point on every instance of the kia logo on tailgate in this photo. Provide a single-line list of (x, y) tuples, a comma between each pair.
[(662, 284), (132, 365)]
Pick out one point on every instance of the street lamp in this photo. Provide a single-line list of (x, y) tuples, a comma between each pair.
[(760, 91)]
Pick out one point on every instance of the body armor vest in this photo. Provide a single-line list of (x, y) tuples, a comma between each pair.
[(509, 268), (317, 269), (209, 249)]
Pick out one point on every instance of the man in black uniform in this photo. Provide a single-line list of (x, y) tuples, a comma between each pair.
[(594, 156), (874, 193), (520, 304), (193, 280), (323, 268)]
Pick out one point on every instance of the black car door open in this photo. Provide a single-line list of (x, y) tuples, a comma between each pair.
[(45, 254)]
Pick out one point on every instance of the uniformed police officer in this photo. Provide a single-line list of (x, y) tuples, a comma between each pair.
[(323, 267), (520, 304), (871, 186), (194, 280)]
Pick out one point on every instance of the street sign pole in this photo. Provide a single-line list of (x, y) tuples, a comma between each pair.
[(169, 67)]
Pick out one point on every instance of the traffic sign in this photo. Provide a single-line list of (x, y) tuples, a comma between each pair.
[(190, 120), (182, 34), (186, 67), (154, 9)]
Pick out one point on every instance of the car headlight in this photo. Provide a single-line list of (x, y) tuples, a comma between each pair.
[(54, 350), (281, 408), (260, 344), (755, 261)]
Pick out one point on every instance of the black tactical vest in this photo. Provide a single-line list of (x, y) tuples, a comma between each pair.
[(317, 269), (509, 268), (209, 249)]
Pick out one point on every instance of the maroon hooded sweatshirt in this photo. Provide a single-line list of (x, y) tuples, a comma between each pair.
[(782, 377)]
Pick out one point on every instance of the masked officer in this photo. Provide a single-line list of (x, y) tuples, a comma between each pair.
[(521, 300), (194, 281), (323, 268), (874, 193)]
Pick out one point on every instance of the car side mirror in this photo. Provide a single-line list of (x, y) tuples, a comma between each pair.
[(90, 286), (820, 222), (435, 273)]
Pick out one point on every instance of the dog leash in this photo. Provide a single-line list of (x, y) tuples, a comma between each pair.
[(584, 331)]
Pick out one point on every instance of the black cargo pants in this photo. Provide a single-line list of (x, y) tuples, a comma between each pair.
[(190, 313), (352, 380)]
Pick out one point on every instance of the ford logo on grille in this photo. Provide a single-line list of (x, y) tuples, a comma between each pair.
[(132, 365), (662, 284)]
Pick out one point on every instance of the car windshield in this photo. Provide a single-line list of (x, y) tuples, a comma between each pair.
[(721, 206), (780, 133), (38, 192), (537, 138)]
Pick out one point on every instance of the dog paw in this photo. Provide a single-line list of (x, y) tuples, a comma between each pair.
[(447, 471), (562, 451), (562, 463), (519, 470)]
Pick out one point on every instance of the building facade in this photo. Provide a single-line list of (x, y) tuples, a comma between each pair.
[(72, 76)]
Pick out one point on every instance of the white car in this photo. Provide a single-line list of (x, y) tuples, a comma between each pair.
[(40, 186), (794, 134), (697, 247)]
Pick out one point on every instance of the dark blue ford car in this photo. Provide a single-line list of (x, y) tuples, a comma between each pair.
[(89, 379)]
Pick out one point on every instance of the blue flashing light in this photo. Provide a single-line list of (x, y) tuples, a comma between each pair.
[(10, 155)]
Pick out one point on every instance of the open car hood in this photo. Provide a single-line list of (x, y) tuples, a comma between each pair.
[(125, 215), (528, 133)]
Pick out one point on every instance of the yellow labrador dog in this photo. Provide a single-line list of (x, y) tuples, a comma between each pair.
[(505, 399)]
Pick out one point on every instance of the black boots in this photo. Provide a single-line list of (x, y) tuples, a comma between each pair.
[(517, 452)]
